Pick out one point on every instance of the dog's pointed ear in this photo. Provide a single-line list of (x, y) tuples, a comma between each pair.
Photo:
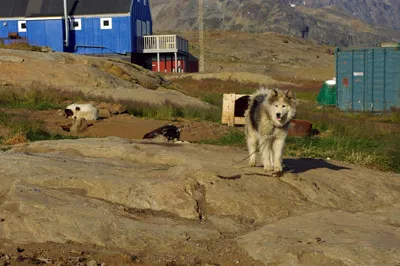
[(289, 94), (274, 93)]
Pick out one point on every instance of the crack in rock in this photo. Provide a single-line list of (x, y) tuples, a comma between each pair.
[(199, 195)]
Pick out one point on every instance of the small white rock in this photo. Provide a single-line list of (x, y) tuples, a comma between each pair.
[(92, 263)]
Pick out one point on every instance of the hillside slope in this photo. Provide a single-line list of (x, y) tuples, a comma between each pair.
[(97, 76), (261, 16), (384, 13)]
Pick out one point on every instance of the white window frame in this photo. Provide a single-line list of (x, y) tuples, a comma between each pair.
[(102, 26), (79, 27), (20, 23)]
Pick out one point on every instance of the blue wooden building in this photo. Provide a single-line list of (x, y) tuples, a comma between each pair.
[(93, 26)]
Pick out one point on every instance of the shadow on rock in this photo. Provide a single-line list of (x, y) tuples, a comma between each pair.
[(301, 165)]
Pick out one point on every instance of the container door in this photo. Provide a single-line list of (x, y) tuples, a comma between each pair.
[(392, 77), (378, 79), (358, 85), (369, 95), (344, 80)]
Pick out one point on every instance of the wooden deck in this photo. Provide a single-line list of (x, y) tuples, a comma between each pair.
[(163, 44)]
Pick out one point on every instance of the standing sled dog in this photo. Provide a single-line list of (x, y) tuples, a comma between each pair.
[(267, 122)]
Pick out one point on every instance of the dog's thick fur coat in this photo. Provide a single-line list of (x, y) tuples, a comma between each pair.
[(77, 111), (267, 122), (170, 132)]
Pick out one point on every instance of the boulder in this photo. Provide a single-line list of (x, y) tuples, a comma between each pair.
[(79, 126), (176, 198)]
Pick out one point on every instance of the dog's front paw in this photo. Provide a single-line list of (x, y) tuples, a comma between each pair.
[(268, 168), (278, 168), (252, 162)]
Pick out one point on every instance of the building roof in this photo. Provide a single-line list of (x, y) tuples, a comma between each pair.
[(55, 8), (13, 8)]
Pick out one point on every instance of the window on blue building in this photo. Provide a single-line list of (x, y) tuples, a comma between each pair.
[(76, 24), (139, 28), (22, 26), (106, 23), (148, 27)]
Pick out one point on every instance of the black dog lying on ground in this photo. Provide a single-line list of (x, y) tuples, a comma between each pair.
[(170, 132)]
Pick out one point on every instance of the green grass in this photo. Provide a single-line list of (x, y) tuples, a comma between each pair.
[(20, 46), (37, 96), (211, 90), (21, 128), (306, 95), (353, 138), (366, 139), (233, 138), (40, 96), (373, 153), (361, 138)]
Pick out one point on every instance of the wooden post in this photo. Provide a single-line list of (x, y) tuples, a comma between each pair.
[(176, 62), (228, 109), (201, 35), (158, 62), (158, 53)]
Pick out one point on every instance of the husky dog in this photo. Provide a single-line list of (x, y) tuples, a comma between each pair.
[(77, 111), (170, 132), (267, 122)]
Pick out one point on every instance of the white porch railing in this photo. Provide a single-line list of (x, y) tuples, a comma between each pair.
[(163, 44)]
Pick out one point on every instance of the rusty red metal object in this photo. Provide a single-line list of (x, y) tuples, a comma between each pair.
[(345, 82), (300, 128)]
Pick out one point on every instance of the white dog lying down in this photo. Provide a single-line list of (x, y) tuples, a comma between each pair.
[(78, 111)]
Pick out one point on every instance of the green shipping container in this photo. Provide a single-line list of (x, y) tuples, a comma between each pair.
[(368, 79)]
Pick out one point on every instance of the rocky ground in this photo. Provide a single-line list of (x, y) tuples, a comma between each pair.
[(126, 202)]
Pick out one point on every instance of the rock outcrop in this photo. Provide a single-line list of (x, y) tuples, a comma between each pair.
[(165, 197)]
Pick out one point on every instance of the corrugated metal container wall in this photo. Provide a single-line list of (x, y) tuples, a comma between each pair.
[(368, 79)]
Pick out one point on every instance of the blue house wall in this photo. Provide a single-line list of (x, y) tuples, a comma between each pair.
[(8, 25), (46, 33), (140, 12), (114, 40), (90, 38)]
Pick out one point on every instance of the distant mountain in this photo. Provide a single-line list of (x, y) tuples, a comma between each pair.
[(318, 20), (380, 12)]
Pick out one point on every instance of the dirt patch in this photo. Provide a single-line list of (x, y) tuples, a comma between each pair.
[(220, 252), (124, 125)]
